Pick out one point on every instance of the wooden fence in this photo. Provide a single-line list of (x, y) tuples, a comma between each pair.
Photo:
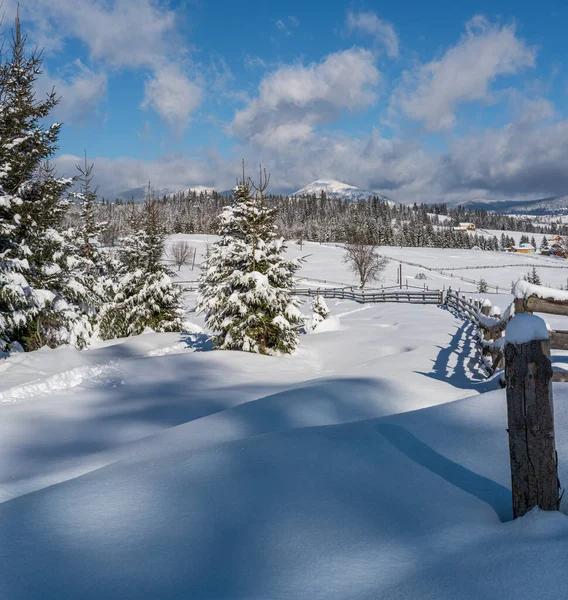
[(491, 323), (398, 295)]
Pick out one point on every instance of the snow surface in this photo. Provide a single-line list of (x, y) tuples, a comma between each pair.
[(525, 328), (371, 464), (524, 289)]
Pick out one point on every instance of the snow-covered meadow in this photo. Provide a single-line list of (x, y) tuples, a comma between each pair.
[(370, 464), (324, 266)]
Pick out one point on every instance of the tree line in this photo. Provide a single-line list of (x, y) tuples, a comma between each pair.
[(324, 219)]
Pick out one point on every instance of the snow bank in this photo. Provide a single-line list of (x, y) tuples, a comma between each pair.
[(525, 328), (524, 289), (332, 323), (411, 506), (489, 322)]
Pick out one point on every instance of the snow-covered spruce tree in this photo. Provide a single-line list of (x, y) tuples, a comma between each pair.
[(145, 297), (320, 312), (34, 310), (245, 289), (90, 268), (533, 277), (319, 307)]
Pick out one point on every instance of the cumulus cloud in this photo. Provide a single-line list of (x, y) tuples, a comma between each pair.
[(172, 95), (118, 175), (282, 126), (122, 34), (294, 99), (522, 160), (530, 109), (433, 91), (80, 90), (370, 24)]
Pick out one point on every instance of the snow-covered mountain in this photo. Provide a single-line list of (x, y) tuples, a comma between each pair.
[(331, 187), (337, 189)]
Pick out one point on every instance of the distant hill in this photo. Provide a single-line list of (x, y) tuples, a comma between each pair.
[(543, 206), (337, 189)]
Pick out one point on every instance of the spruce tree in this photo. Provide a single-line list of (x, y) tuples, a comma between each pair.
[(89, 266), (245, 289), (319, 307), (145, 297), (320, 312), (33, 308), (533, 277)]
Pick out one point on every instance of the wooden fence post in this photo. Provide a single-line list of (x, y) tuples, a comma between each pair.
[(528, 376)]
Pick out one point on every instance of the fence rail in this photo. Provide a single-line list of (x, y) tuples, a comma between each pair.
[(397, 296), (491, 323), (416, 295)]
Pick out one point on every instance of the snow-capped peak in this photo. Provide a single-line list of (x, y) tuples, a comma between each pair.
[(337, 189)]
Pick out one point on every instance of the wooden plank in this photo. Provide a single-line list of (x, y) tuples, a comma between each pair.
[(559, 340), (560, 376), (549, 306)]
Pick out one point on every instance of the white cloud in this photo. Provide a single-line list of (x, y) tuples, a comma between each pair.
[(520, 160), (370, 24), (80, 90), (433, 92), (119, 175), (297, 98), (286, 26), (530, 110), (172, 95), (523, 158), (123, 34)]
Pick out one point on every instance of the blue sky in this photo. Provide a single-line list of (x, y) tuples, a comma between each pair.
[(423, 101)]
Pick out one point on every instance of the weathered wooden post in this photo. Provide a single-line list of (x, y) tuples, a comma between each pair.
[(528, 376)]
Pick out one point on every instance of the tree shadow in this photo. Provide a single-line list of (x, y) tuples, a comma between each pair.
[(490, 492), (198, 342)]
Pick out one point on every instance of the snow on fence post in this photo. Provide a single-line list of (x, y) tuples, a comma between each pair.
[(528, 376)]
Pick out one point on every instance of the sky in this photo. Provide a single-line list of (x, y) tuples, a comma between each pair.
[(422, 101)]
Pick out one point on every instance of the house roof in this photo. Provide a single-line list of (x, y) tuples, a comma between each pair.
[(522, 247)]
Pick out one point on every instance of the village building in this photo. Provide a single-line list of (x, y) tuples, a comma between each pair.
[(522, 249), (465, 227)]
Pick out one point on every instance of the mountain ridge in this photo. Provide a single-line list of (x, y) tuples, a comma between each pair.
[(555, 205), (338, 189)]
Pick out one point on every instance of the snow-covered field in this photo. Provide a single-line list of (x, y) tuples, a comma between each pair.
[(324, 266), (371, 464)]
